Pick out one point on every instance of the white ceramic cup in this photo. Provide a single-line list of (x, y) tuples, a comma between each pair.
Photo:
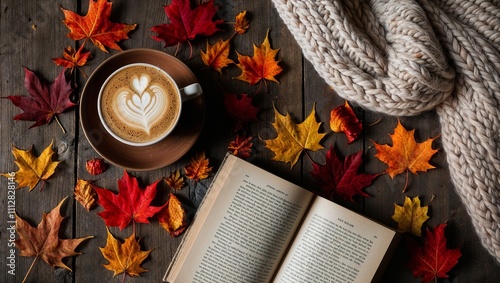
[(182, 95)]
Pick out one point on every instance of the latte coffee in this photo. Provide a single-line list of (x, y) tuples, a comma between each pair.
[(140, 104)]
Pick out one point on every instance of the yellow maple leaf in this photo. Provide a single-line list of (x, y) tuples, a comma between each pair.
[(294, 138), (405, 154), (217, 55), (262, 65), (411, 216), (124, 257), (32, 169)]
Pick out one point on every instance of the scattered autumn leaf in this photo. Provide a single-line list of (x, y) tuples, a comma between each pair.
[(43, 241), (33, 169), (294, 138), (217, 55), (124, 257), (173, 217), (405, 154), (95, 166), (175, 181), (72, 59), (186, 23), (343, 119), (241, 146), (96, 26), (198, 168), (341, 178), (240, 110), (411, 216), (85, 194), (262, 65), (130, 204), (45, 101), (433, 260), (242, 23)]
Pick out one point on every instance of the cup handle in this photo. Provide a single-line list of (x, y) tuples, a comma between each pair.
[(191, 91)]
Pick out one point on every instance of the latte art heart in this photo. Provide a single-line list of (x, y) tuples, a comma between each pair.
[(142, 104)]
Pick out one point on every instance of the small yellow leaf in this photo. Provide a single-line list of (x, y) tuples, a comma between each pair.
[(411, 216), (242, 23), (294, 138)]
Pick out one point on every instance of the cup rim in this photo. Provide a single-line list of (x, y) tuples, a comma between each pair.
[(125, 141)]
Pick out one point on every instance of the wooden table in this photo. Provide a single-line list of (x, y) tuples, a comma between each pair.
[(32, 33)]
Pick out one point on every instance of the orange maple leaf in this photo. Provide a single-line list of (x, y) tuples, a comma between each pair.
[(216, 56), (242, 23), (198, 168), (43, 240), (96, 26), (405, 154), (72, 58), (241, 146), (262, 65)]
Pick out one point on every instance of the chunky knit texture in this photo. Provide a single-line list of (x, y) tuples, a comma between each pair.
[(403, 57)]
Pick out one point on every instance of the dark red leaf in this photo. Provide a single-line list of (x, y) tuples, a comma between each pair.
[(240, 110)]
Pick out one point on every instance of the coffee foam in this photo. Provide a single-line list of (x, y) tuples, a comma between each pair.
[(133, 104)]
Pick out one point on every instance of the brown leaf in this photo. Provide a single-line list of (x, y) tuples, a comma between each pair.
[(43, 241), (85, 194), (198, 168), (173, 217), (124, 257), (175, 181)]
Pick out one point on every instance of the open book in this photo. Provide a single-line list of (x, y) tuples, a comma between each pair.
[(253, 226)]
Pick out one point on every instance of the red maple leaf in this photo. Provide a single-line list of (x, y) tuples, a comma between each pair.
[(433, 260), (340, 178), (45, 101), (186, 23), (130, 204), (240, 110)]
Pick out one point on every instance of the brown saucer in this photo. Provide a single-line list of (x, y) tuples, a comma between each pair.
[(153, 156)]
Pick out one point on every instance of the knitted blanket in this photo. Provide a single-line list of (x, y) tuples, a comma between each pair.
[(403, 57)]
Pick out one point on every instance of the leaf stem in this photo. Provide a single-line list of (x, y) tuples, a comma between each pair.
[(123, 278), (59, 123), (407, 181), (29, 270)]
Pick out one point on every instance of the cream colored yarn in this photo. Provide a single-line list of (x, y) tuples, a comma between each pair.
[(404, 57)]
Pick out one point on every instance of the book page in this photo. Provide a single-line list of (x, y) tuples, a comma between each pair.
[(242, 228), (335, 244)]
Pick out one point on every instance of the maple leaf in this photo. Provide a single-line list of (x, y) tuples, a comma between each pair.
[(43, 241), (242, 23), (216, 56), (85, 194), (433, 260), (175, 181), (198, 168), (240, 110), (72, 58), (33, 169), (186, 23), (96, 26), (241, 146), (45, 101), (405, 154), (411, 216), (343, 119), (173, 217), (130, 204), (124, 257), (262, 65), (341, 178), (294, 138)]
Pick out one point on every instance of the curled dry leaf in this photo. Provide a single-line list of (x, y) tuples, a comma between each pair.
[(411, 216), (175, 181), (217, 55), (173, 217), (43, 241), (33, 169), (124, 257), (343, 119), (241, 146), (85, 194), (95, 166), (198, 168), (242, 23), (294, 138)]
